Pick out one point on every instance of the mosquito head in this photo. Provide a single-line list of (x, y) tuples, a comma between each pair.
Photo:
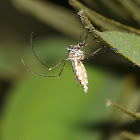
[(73, 47), (80, 45)]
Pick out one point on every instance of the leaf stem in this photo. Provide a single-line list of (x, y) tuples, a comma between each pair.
[(136, 116)]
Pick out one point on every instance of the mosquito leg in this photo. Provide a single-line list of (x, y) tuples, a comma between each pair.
[(57, 64), (84, 42), (38, 57), (93, 53), (44, 75), (34, 51), (62, 68)]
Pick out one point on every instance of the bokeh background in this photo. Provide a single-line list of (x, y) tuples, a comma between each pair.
[(38, 108)]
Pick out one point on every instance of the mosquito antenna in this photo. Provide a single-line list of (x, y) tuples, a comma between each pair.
[(34, 51)]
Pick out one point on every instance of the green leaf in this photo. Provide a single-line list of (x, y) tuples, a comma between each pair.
[(126, 44)]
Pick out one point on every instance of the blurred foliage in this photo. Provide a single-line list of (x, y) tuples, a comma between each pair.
[(101, 21), (56, 108), (34, 107), (130, 136)]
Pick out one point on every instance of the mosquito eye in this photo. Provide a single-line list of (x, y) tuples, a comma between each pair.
[(70, 46)]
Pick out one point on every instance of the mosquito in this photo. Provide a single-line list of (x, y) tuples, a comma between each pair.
[(76, 56)]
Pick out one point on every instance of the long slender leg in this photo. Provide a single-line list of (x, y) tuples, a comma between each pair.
[(34, 51), (84, 42), (38, 57), (62, 68), (45, 75), (57, 64), (93, 53)]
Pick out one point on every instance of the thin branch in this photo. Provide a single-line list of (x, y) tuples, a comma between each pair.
[(132, 114)]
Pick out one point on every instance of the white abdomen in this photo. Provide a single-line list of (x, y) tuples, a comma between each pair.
[(81, 74)]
